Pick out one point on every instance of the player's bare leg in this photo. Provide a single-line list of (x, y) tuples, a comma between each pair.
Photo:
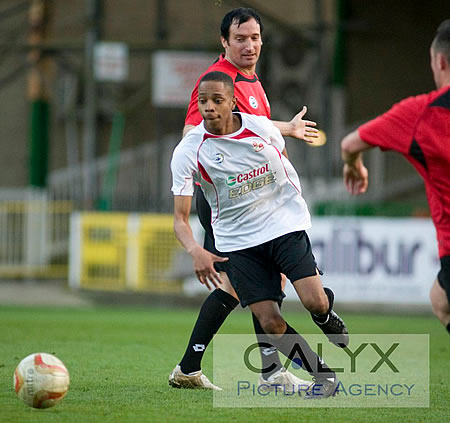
[(319, 302), (439, 303), (226, 285), (311, 294), (269, 316)]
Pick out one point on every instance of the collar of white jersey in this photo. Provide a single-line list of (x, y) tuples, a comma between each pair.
[(233, 134)]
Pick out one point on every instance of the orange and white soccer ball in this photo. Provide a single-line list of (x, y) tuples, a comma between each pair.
[(41, 380)]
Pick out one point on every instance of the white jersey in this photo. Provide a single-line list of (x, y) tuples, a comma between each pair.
[(253, 190)]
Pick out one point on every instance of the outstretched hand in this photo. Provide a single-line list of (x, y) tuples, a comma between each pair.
[(203, 262), (303, 129), (356, 178)]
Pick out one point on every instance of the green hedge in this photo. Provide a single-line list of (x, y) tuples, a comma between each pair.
[(371, 209)]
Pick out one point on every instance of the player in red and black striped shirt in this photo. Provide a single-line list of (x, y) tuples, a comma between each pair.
[(419, 128)]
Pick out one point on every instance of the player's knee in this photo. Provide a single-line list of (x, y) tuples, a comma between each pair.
[(317, 304), (439, 303), (273, 324), (442, 316), (438, 310), (434, 307)]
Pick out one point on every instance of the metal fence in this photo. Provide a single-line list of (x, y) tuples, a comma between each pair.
[(141, 180), (34, 234)]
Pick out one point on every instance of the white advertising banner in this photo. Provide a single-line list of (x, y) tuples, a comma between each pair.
[(174, 74), (376, 260)]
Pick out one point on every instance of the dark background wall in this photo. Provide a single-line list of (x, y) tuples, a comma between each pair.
[(387, 59)]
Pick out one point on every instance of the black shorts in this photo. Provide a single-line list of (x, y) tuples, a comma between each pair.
[(255, 272), (204, 215), (444, 276)]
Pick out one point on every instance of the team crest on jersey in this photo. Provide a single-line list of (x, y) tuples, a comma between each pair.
[(253, 102), (258, 146), (218, 158)]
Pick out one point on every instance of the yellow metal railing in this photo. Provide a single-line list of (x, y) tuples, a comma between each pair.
[(157, 248), (103, 251), (114, 251)]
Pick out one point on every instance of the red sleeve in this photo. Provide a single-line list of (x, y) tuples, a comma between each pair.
[(193, 116), (394, 129)]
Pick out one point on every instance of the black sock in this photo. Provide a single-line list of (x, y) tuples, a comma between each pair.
[(295, 347), (215, 309), (323, 318), (448, 328), (270, 359)]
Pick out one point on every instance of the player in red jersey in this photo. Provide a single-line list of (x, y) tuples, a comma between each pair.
[(241, 31), (419, 128), (241, 38)]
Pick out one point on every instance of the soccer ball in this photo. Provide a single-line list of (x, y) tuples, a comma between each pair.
[(41, 380)]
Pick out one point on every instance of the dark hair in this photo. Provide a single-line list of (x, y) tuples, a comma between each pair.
[(441, 41), (218, 77), (239, 16)]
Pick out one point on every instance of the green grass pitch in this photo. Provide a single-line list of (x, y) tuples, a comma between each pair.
[(119, 360)]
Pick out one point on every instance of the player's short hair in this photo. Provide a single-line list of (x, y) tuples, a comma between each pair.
[(441, 41), (239, 16), (219, 77)]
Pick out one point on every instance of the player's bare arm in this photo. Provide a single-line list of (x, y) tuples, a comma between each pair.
[(356, 175), (202, 260), (298, 128)]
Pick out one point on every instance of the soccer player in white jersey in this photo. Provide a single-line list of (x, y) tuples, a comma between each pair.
[(259, 218)]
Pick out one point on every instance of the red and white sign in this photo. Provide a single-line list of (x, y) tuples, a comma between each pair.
[(111, 61)]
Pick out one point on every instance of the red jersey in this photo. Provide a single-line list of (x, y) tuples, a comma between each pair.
[(249, 92), (419, 128)]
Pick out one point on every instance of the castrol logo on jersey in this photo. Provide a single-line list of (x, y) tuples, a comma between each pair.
[(253, 102), (250, 180), (246, 176), (231, 180)]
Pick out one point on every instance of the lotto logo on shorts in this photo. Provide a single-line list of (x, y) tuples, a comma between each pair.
[(251, 186)]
